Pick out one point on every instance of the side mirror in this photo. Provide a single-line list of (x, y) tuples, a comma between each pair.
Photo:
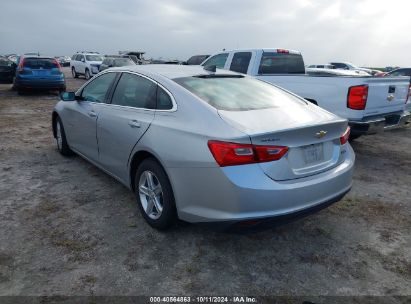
[(68, 96), (82, 60)]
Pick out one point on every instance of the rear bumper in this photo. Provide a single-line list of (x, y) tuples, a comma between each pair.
[(376, 124), (40, 84), (241, 193)]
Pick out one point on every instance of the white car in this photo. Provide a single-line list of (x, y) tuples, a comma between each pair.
[(85, 63), (370, 104), (350, 66)]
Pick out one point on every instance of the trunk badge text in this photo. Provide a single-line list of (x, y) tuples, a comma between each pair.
[(320, 134)]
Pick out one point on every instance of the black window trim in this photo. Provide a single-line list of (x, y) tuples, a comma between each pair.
[(107, 97), (115, 83)]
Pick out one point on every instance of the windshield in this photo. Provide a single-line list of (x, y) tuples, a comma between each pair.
[(236, 94), (94, 58)]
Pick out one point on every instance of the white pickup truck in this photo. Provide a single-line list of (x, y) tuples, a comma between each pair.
[(369, 104)]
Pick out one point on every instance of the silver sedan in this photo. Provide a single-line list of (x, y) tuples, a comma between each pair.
[(206, 146)]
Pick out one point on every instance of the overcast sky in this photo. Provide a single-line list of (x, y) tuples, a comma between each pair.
[(365, 32)]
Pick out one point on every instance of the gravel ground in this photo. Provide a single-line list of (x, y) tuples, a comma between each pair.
[(67, 228)]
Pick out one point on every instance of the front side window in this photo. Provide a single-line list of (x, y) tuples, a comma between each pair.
[(217, 60), (96, 90), (135, 91), (240, 62), (237, 93)]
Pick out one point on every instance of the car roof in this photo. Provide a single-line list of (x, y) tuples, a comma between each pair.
[(171, 71), (260, 49)]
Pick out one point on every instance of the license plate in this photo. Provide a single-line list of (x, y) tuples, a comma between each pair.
[(313, 153)]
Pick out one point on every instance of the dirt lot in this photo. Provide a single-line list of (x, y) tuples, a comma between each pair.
[(69, 229)]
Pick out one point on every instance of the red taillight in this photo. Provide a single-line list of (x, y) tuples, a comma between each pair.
[(282, 51), (57, 64), (344, 138), (230, 154), (21, 65), (357, 97)]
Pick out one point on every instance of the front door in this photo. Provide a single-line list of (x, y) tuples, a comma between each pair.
[(122, 123), (83, 114)]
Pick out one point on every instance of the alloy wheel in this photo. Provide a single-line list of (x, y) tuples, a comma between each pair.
[(151, 194)]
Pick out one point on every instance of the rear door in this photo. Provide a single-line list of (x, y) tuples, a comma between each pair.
[(81, 116), (123, 122)]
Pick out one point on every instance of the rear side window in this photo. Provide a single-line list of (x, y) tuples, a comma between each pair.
[(217, 60), (240, 62), (135, 91), (237, 93), (97, 89), (281, 63), (163, 100), (40, 63)]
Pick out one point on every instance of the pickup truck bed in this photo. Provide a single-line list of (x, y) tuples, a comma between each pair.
[(370, 104)]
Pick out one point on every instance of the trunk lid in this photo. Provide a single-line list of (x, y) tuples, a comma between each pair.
[(386, 94), (311, 134)]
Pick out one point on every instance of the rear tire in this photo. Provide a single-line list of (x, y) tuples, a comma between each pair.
[(61, 140), (74, 73), (154, 195), (87, 74)]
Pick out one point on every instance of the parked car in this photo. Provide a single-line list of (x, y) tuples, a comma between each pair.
[(7, 70), (136, 56), (321, 66), (206, 146), (350, 66), (399, 72), (334, 72), (35, 72), (115, 61), (64, 61), (85, 63), (196, 59), (370, 104)]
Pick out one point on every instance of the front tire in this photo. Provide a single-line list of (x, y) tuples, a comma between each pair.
[(74, 73), (61, 139), (154, 195), (87, 74)]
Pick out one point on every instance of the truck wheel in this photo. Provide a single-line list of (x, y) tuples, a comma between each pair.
[(87, 74)]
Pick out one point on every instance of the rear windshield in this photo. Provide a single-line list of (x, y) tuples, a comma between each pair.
[(118, 62), (40, 63), (94, 58), (236, 94), (280, 63)]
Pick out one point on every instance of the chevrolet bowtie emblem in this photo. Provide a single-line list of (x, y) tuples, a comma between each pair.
[(390, 97), (320, 134)]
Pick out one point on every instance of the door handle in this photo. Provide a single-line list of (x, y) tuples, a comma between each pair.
[(92, 114), (134, 124)]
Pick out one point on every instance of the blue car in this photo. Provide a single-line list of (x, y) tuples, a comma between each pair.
[(36, 72)]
